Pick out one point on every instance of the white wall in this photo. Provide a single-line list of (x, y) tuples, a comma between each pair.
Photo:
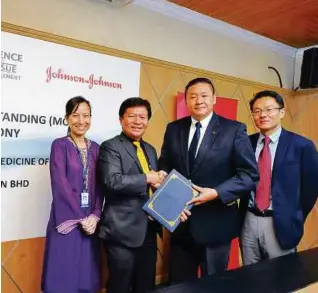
[(142, 31)]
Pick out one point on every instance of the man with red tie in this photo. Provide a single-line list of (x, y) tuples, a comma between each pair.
[(287, 190)]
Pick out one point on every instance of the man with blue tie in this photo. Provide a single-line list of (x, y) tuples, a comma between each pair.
[(276, 210), (215, 154)]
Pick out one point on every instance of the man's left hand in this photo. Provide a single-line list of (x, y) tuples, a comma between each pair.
[(206, 194)]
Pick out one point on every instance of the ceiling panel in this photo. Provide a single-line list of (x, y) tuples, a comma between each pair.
[(292, 22)]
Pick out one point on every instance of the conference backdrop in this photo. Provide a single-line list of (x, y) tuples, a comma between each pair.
[(160, 81), (38, 78)]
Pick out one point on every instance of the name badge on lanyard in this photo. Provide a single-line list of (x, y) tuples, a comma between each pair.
[(84, 199), (85, 193), (85, 174)]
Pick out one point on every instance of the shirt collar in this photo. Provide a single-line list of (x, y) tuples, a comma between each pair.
[(204, 122), (130, 139), (273, 137)]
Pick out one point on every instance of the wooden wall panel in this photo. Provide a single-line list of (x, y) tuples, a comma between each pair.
[(7, 285), (185, 76), (305, 116), (162, 258), (155, 129), (160, 82), (22, 265), (148, 89), (225, 88), (160, 78), (7, 249)]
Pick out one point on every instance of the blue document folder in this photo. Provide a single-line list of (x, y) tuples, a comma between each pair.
[(170, 199)]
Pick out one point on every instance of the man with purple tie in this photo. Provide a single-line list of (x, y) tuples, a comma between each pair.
[(287, 190)]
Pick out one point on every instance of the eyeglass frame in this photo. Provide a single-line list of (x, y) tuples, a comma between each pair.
[(260, 111)]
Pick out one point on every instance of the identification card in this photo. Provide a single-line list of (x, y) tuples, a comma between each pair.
[(84, 200)]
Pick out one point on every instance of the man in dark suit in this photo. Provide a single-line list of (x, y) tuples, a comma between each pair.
[(276, 210), (216, 155), (127, 166)]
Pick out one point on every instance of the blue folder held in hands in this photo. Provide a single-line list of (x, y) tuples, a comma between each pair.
[(170, 199)]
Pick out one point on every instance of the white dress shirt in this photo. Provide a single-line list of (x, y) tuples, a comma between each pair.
[(204, 123)]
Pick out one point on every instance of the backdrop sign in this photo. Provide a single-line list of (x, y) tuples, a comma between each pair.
[(38, 78)]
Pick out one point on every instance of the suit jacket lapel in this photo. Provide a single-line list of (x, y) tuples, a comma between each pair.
[(254, 139), (282, 147), (151, 158), (184, 137), (209, 137), (130, 149)]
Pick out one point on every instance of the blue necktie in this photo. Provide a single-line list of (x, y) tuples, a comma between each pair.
[(194, 145)]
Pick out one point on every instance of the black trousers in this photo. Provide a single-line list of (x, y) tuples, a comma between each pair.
[(186, 257), (132, 270)]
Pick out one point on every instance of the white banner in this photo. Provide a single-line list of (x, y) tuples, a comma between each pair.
[(37, 80)]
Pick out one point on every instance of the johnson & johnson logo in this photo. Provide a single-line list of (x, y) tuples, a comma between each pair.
[(91, 80)]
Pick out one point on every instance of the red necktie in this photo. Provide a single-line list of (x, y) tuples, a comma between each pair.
[(263, 189)]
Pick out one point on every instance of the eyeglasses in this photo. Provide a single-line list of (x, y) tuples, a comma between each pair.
[(268, 112)]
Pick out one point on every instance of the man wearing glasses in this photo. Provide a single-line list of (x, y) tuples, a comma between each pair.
[(275, 212)]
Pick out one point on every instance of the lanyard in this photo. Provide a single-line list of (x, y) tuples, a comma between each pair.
[(84, 166)]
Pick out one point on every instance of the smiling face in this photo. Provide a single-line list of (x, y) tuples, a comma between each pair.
[(200, 100), (134, 122), (267, 115), (79, 121)]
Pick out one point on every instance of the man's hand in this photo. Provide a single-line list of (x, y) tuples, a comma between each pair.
[(184, 215), (155, 178), (162, 175), (206, 194)]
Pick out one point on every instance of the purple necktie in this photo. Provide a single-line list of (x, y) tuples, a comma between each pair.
[(263, 190)]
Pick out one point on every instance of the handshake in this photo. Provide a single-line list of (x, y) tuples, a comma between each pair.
[(155, 178)]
